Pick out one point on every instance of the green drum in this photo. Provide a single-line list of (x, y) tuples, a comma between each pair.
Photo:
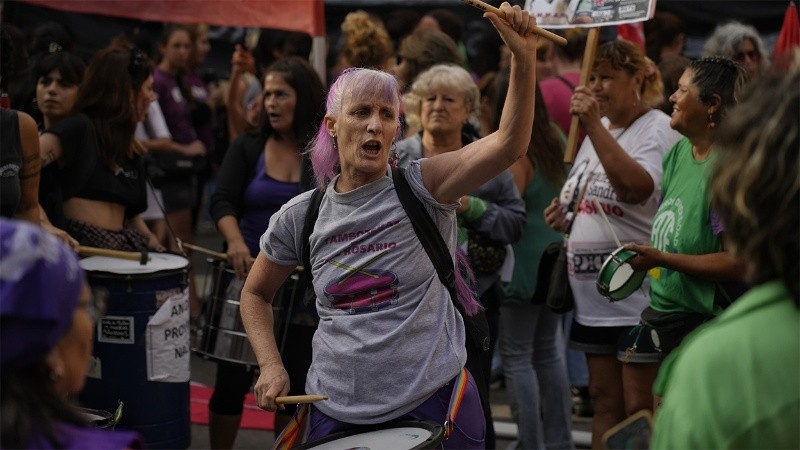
[(617, 280)]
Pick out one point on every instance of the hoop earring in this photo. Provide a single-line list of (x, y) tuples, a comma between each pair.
[(56, 374), (393, 157)]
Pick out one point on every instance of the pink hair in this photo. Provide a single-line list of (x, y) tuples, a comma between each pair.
[(464, 292), (362, 83)]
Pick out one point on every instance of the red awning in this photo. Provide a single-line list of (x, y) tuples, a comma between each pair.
[(293, 15)]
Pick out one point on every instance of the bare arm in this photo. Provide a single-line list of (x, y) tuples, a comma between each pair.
[(49, 148), (630, 181), (451, 175), (522, 170), (152, 240), (720, 266), (28, 208), (238, 253), (258, 292)]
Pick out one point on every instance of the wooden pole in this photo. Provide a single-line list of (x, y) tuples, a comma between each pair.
[(586, 71), (539, 31)]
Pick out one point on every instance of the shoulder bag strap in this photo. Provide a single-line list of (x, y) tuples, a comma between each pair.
[(427, 233), (308, 226)]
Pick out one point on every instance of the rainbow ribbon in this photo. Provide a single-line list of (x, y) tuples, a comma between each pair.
[(289, 435), (455, 401)]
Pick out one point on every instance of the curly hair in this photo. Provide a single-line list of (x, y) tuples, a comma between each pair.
[(440, 76), (756, 187), (366, 43), (625, 55)]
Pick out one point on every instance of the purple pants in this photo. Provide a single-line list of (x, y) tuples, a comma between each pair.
[(469, 429)]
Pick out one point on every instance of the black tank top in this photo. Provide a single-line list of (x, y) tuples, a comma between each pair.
[(10, 162)]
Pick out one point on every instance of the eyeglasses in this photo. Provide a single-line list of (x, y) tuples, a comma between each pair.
[(750, 54), (96, 306)]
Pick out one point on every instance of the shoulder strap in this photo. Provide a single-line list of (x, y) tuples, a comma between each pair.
[(308, 226), (566, 81), (427, 233)]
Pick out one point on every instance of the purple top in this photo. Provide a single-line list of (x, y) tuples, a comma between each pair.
[(75, 437), (176, 110), (204, 119), (263, 197)]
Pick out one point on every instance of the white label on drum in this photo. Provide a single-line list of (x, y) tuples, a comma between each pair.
[(167, 341), (115, 330), (95, 368)]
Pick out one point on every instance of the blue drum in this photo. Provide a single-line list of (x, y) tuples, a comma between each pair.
[(141, 351)]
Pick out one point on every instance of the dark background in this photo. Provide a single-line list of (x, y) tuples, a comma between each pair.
[(91, 32)]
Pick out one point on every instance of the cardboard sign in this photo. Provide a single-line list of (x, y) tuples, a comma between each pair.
[(589, 13)]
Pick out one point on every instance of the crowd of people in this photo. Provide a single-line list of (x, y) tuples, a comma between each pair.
[(689, 164)]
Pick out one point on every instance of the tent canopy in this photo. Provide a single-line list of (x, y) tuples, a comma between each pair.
[(293, 15)]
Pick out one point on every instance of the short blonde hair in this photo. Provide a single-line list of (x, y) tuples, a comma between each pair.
[(438, 76)]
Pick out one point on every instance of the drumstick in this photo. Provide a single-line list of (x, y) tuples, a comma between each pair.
[(540, 31), (119, 254), (218, 255), (292, 399), (610, 228)]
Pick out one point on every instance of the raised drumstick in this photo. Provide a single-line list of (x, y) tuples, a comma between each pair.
[(540, 31), (292, 399)]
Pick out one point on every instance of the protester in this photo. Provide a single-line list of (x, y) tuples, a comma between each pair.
[(364, 44), (531, 341), (19, 183), (619, 167), (58, 76), (416, 327), (259, 174), (741, 43), (47, 314), (734, 382), (101, 168), (440, 104), (180, 164), (690, 266)]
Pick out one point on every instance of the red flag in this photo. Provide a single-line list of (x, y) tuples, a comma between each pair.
[(633, 32), (788, 39)]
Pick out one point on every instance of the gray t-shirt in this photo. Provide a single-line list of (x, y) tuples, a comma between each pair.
[(389, 335)]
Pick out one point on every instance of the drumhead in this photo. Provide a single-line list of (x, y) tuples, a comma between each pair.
[(617, 279), (158, 262), (403, 435)]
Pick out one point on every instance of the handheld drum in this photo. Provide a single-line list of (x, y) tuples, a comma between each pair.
[(401, 435), (617, 280)]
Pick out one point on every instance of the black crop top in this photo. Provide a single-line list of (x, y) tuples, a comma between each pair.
[(82, 175)]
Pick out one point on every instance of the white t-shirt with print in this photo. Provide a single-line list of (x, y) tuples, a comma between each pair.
[(646, 140)]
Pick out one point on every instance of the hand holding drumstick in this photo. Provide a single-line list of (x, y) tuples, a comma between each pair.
[(539, 31)]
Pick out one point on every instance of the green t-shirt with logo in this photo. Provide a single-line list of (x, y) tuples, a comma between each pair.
[(682, 225)]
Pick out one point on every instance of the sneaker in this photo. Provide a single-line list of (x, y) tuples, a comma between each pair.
[(581, 401)]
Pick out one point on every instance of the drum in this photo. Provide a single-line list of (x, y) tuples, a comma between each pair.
[(407, 434), (224, 337), (141, 347), (617, 280)]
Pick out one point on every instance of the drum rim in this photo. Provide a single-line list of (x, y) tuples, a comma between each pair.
[(436, 429), (157, 273), (603, 286)]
